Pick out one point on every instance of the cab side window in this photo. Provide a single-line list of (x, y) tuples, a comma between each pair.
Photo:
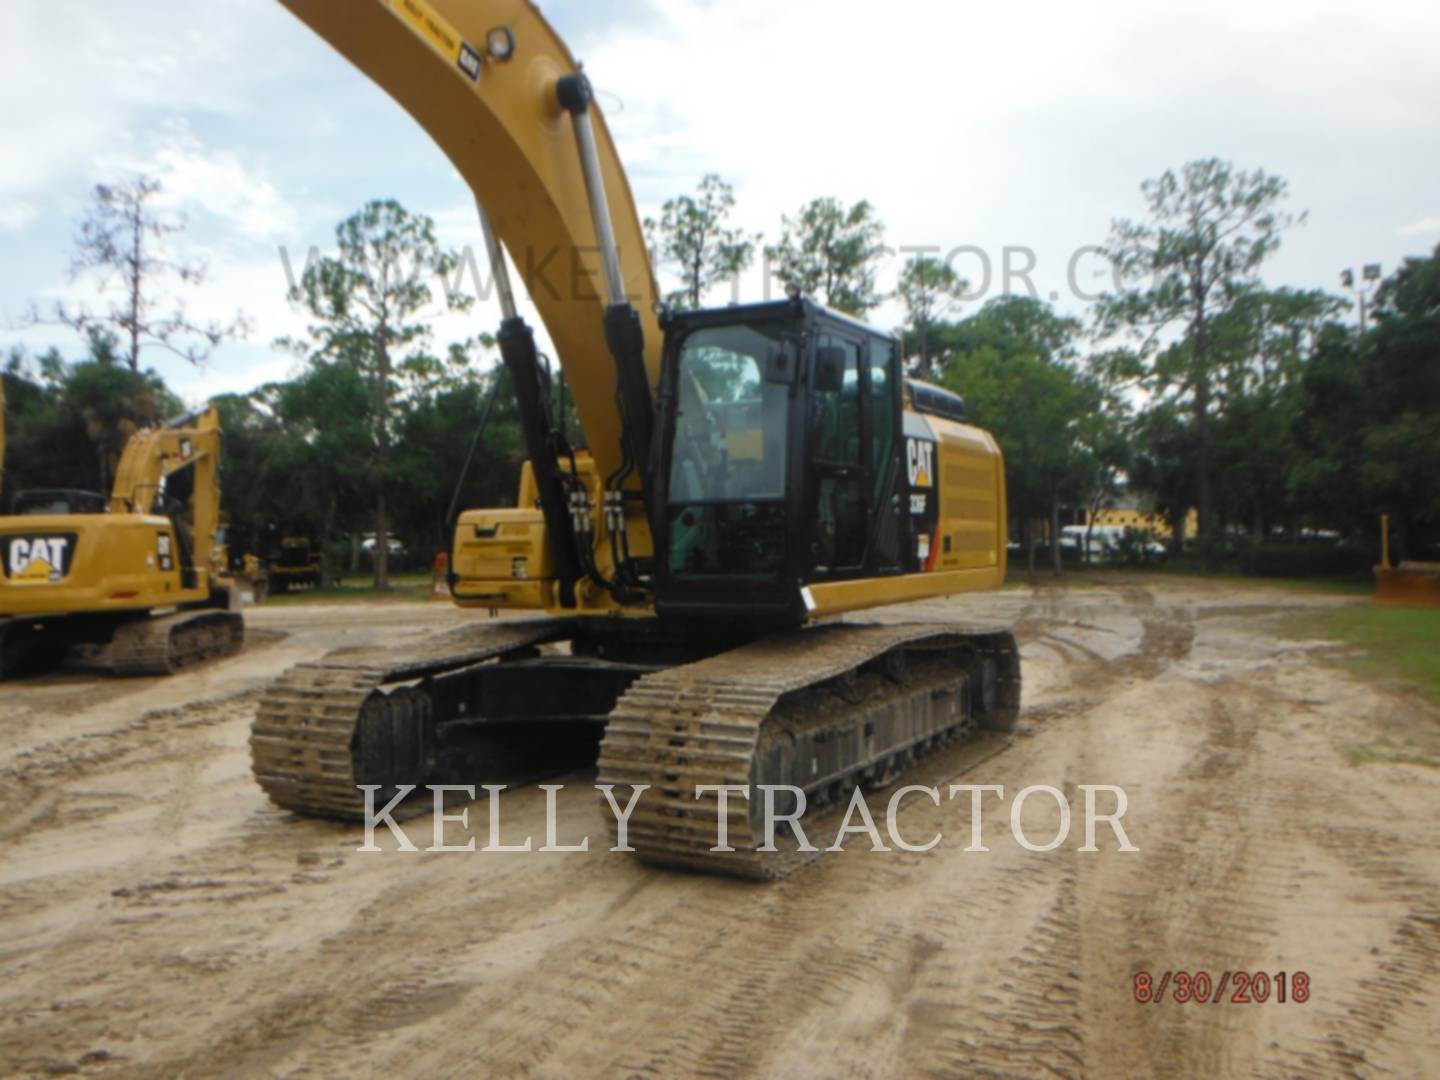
[(838, 455), (837, 405), (883, 410)]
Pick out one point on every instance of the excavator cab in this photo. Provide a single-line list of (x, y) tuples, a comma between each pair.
[(776, 459), (57, 501)]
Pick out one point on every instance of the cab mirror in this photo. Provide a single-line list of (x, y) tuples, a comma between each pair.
[(829, 369), (780, 366)]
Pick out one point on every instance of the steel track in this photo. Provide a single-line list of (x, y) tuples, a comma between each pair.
[(165, 645), (307, 732), (885, 696), (707, 723)]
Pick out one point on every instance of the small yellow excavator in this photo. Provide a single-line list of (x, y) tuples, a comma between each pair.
[(131, 583)]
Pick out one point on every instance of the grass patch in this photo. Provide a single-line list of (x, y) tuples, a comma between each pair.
[(404, 588), (1400, 647), (1352, 586), (1385, 751), (1099, 574)]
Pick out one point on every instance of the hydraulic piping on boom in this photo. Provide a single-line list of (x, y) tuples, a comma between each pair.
[(626, 341), (544, 443), (557, 474)]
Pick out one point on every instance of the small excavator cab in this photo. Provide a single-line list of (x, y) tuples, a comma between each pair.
[(777, 443), (57, 501)]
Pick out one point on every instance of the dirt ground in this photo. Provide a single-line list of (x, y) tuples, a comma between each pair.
[(158, 917)]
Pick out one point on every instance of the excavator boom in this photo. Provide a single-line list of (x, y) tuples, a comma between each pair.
[(499, 119)]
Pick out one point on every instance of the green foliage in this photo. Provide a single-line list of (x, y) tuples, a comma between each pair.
[(829, 252), (930, 288), (1011, 325), (1200, 373), (1161, 463), (1136, 547), (367, 303), (1029, 404), (303, 457), (1367, 422), (1047, 415), (434, 438), (1308, 560), (1262, 344), (68, 422), (252, 489), (327, 448), (367, 299), (1062, 428), (1188, 267), (1103, 453), (692, 235), (1413, 291)]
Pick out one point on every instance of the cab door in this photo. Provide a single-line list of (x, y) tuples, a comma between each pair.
[(882, 425), (839, 456)]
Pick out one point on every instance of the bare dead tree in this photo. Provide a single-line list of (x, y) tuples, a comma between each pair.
[(122, 242)]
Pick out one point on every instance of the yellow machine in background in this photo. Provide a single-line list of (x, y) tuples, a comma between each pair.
[(294, 565), (133, 582), (1409, 584)]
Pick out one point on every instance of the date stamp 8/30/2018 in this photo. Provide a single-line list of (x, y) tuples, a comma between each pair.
[(1233, 987)]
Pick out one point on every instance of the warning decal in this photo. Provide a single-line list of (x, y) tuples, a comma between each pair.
[(429, 24)]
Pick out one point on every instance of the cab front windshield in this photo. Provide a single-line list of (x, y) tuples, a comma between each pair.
[(727, 467), (730, 425)]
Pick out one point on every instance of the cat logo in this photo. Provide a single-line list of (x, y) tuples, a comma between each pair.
[(37, 560), (469, 61), (921, 458)]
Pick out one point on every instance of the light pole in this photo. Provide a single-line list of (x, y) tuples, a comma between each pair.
[(1364, 288)]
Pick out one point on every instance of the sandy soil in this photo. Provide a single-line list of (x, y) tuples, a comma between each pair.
[(157, 917)]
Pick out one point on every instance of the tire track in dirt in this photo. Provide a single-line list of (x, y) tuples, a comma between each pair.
[(273, 947)]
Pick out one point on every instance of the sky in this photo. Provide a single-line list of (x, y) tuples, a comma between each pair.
[(1018, 131)]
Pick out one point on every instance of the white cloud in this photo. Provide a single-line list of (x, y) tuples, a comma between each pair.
[(16, 214), (193, 177), (75, 77), (1002, 126), (1420, 227), (979, 124)]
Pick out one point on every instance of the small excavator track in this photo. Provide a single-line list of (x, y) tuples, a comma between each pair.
[(728, 719), (311, 725), (164, 645), (137, 645)]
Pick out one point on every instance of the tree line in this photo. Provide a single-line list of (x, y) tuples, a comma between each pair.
[(1191, 386), (1192, 383), (367, 442)]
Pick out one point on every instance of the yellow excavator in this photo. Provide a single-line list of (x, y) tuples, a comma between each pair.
[(131, 582), (751, 473)]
